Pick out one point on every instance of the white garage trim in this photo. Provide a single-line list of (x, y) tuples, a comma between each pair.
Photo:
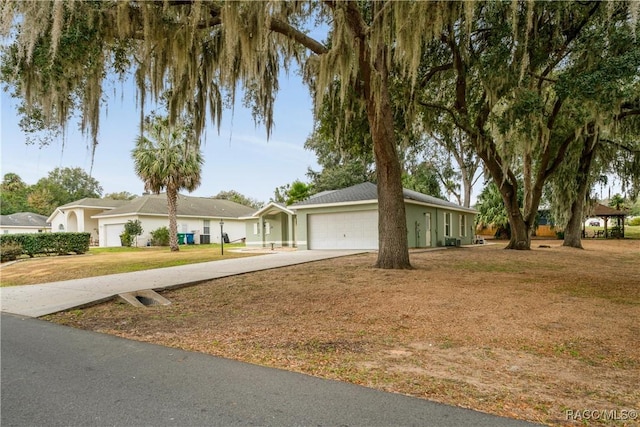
[(343, 230)]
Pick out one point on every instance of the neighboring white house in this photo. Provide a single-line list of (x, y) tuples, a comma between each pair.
[(348, 219), (77, 216), (24, 222), (197, 216)]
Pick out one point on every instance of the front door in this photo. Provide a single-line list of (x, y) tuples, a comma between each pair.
[(427, 229)]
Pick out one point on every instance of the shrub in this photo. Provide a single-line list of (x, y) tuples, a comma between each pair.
[(9, 251), (132, 229), (49, 243), (126, 239), (634, 221), (160, 237)]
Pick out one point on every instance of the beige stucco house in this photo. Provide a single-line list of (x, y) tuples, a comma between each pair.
[(197, 216)]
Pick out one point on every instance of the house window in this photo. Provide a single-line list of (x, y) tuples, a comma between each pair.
[(256, 228), (206, 227), (463, 225), (267, 228), (447, 224)]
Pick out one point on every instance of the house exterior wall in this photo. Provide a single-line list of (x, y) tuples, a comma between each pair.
[(77, 220), (234, 228), (267, 229), (8, 229), (426, 225)]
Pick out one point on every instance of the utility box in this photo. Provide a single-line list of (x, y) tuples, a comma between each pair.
[(450, 241)]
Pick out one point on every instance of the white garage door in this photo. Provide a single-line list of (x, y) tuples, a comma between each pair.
[(112, 233), (349, 230)]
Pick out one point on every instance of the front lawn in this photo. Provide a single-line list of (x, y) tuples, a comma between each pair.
[(102, 261)]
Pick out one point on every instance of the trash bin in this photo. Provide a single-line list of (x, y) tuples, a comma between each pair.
[(181, 238), (190, 240)]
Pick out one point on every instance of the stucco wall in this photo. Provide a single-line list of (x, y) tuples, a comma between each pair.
[(23, 230), (234, 228), (278, 231)]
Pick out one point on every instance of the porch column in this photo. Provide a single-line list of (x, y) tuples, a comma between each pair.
[(291, 239), (261, 230)]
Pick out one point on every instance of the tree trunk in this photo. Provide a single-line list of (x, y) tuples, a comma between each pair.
[(573, 229), (393, 244), (520, 238), (466, 188), (172, 204), (520, 233)]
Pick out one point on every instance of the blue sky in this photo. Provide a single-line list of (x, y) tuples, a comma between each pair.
[(239, 157)]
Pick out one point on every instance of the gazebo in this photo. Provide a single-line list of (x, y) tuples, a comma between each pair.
[(606, 212)]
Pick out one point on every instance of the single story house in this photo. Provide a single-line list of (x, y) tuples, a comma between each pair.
[(77, 216), (348, 219), (24, 222), (199, 216)]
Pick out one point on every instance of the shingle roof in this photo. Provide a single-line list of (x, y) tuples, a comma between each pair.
[(89, 202), (23, 219), (369, 192), (156, 204)]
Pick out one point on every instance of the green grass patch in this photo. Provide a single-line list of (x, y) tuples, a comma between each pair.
[(632, 231), (104, 261)]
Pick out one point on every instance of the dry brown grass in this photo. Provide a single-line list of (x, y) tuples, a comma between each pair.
[(523, 334), (101, 261)]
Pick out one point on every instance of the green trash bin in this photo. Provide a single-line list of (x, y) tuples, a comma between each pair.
[(181, 237)]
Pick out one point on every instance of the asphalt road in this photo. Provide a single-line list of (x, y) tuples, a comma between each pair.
[(54, 375)]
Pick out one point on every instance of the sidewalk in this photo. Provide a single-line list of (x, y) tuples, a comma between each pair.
[(47, 298)]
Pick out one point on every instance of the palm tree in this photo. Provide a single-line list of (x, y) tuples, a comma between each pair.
[(169, 158)]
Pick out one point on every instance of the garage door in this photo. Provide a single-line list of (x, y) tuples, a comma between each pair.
[(112, 233), (349, 230)]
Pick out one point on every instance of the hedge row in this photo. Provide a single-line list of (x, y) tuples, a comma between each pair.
[(45, 243)]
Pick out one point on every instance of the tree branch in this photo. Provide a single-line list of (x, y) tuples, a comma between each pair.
[(310, 43), (451, 112), (571, 35), (543, 78), (435, 70), (627, 114), (621, 145)]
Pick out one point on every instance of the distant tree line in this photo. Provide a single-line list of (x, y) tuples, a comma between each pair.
[(66, 185), (59, 187)]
